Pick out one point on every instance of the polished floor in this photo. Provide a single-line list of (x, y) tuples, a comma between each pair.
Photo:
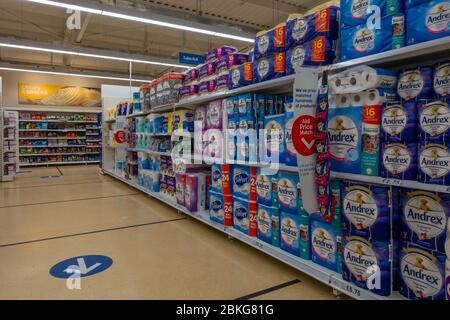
[(157, 253)]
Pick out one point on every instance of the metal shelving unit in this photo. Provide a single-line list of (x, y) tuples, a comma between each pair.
[(408, 55), (8, 144), (63, 126)]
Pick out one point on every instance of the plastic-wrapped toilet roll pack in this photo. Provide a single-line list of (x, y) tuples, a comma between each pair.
[(442, 79), (416, 83), (447, 279), (362, 78)]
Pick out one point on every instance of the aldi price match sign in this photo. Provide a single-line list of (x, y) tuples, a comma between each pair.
[(306, 88)]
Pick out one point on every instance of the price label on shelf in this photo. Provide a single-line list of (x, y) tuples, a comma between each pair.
[(352, 290), (392, 182)]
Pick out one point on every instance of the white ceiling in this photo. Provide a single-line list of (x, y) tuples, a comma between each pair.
[(24, 20)]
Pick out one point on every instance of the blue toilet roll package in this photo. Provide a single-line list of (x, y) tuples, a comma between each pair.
[(416, 83), (268, 42), (354, 12), (320, 21), (271, 67), (427, 21), (320, 51), (360, 41)]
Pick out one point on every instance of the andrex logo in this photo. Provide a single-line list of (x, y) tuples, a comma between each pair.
[(438, 18)]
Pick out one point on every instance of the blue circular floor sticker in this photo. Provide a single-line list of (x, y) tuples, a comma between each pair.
[(83, 266)]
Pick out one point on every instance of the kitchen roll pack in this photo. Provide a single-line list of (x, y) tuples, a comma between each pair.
[(355, 12), (360, 41), (427, 20)]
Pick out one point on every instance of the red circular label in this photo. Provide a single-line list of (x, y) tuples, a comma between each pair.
[(119, 136), (303, 132)]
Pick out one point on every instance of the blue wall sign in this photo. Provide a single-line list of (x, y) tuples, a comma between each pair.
[(85, 266), (189, 58)]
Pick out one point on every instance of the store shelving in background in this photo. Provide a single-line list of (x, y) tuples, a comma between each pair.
[(9, 152), (54, 138)]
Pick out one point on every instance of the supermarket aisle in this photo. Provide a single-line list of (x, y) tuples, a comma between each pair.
[(157, 253)]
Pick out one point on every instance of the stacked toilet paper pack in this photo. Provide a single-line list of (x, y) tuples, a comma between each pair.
[(370, 216), (269, 54), (220, 195), (426, 20), (357, 96), (360, 33), (311, 38), (425, 245)]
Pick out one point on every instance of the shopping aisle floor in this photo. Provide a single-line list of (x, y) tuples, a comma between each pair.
[(157, 253)]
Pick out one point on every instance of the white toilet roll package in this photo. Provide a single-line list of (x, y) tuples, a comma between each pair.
[(362, 78)]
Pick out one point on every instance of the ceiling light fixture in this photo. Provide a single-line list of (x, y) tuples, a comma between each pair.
[(73, 74), (143, 20), (91, 55)]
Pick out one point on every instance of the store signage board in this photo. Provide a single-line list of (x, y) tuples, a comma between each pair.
[(190, 58), (303, 131), (56, 95), (82, 266)]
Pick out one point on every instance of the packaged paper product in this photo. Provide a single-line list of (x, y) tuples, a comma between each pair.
[(326, 244), (399, 160), (441, 79), (289, 156), (222, 82), (317, 52), (188, 91), (434, 121), (425, 218), (362, 259), (399, 122), (370, 135), (213, 150), (416, 83), (270, 67), (200, 119), (362, 78), (294, 235), (214, 115), (220, 178), (434, 163), (218, 53), (221, 208), (244, 182), (360, 41), (189, 76), (289, 196), (274, 138), (180, 188), (183, 120), (369, 211), (269, 225), (268, 42), (195, 192), (267, 189), (422, 273), (427, 21), (344, 129), (245, 216), (241, 75), (207, 86), (447, 279), (356, 12), (320, 21)]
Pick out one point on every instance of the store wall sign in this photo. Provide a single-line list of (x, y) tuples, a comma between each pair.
[(56, 95), (189, 58), (306, 87), (82, 266)]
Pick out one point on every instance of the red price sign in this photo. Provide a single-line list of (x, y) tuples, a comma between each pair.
[(303, 132), (119, 136)]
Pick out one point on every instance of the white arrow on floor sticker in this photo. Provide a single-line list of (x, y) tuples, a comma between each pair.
[(81, 267)]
